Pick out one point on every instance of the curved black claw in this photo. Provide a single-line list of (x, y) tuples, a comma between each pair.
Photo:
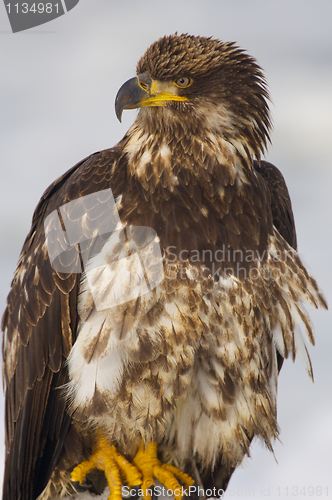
[(80, 488)]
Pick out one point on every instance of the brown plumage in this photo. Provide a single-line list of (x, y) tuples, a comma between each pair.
[(191, 364)]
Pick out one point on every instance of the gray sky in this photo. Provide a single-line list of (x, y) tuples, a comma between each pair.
[(57, 88)]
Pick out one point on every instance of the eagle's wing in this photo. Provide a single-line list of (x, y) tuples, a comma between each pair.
[(281, 206), (39, 326), (283, 220)]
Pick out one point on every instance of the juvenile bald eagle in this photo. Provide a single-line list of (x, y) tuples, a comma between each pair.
[(158, 291)]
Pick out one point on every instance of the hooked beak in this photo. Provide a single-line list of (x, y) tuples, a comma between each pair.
[(142, 91)]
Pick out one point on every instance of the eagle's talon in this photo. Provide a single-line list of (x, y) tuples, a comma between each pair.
[(151, 468), (78, 487), (105, 457)]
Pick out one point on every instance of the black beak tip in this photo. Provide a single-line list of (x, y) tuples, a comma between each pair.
[(118, 114), (129, 96), (118, 108)]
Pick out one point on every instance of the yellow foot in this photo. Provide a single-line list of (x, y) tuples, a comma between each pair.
[(147, 462), (105, 457)]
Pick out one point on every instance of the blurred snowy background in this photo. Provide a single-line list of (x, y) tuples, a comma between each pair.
[(57, 88)]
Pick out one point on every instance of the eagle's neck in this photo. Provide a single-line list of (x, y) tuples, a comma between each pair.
[(164, 154)]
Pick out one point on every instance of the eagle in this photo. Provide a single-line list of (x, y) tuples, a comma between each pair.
[(157, 293)]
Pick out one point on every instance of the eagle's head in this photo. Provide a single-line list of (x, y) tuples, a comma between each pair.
[(202, 86)]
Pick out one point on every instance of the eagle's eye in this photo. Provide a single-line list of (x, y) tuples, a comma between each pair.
[(183, 82)]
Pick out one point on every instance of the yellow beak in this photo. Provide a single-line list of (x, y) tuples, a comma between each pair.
[(142, 91)]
